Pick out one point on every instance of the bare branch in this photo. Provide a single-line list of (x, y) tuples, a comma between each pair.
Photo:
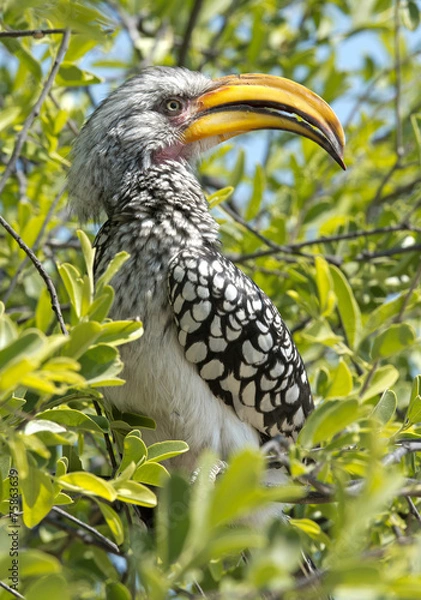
[(185, 44), (129, 23), (402, 450), (287, 249), (41, 270), (35, 110), (413, 509), (37, 34), (366, 255), (14, 593), (107, 439), (11, 167), (107, 544)]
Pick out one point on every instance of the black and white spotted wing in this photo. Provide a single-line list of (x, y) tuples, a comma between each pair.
[(235, 336)]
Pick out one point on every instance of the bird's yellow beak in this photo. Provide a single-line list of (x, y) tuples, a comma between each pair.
[(241, 103)]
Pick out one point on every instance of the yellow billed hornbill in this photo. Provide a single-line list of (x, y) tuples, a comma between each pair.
[(216, 366)]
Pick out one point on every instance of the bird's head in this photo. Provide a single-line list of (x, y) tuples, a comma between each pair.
[(174, 114)]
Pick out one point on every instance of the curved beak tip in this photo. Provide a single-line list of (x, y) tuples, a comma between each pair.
[(238, 104)]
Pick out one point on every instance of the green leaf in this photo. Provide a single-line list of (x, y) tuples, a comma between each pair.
[(241, 484), (324, 286), (386, 407), (134, 493), (341, 385), (113, 267), (70, 75), (395, 339), (25, 58), (74, 286), (30, 344), (219, 196), (173, 520), (164, 450), (11, 406), (233, 542), (100, 366), (383, 378), (8, 116), (327, 420), (44, 313), (88, 484), (48, 586), (49, 433), (135, 420), (8, 330), (113, 521), (410, 15), (115, 590), (88, 253), (37, 496), (257, 193), (237, 173), (135, 450), (100, 307), (81, 337), (310, 528), (388, 310), (413, 414), (32, 563), (151, 473), (120, 332), (71, 418), (348, 308)]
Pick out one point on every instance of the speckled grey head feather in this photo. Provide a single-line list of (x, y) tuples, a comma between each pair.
[(120, 137)]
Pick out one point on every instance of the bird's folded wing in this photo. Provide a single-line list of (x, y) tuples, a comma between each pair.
[(238, 341)]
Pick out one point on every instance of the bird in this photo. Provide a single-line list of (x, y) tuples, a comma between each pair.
[(216, 366)]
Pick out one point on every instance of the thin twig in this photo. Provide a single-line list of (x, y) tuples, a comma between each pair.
[(413, 509), (41, 270), (355, 235), (287, 249), (185, 44), (369, 377), (366, 255), (14, 593), (110, 546), (38, 34), (372, 86), (35, 33), (378, 196), (402, 450), (107, 439), (11, 167), (129, 23), (35, 110)]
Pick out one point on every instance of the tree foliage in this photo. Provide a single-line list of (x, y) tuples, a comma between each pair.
[(337, 252)]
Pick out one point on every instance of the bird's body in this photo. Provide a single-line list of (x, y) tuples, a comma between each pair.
[(160, 382), (216, 365), (165, 228)]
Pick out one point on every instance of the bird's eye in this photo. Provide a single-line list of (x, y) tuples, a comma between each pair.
[(173, 106)]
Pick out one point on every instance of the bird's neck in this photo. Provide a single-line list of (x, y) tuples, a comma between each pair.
[(168, 194)]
